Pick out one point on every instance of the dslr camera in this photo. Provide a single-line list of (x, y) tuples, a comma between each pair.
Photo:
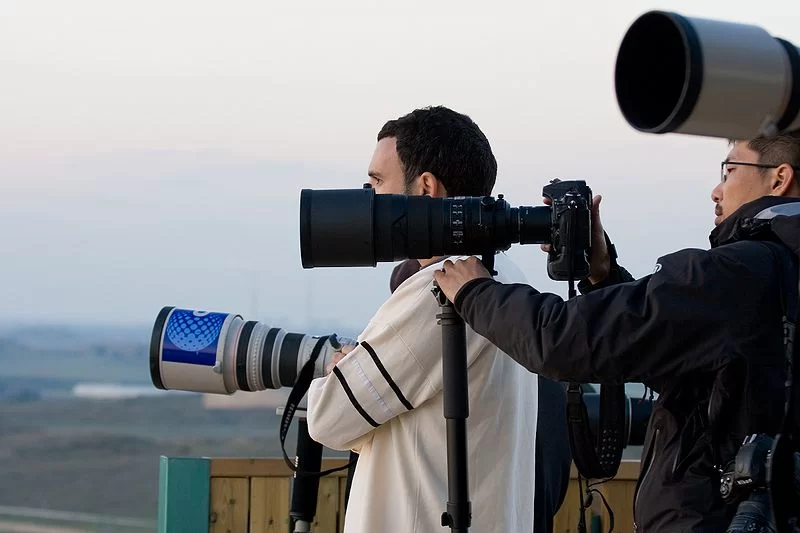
[(744, 482), (356, 227)]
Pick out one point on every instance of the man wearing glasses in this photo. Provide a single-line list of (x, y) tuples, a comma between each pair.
[(760, 167), (705, 330)]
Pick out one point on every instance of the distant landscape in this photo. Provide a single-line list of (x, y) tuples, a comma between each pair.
[(101, 456)]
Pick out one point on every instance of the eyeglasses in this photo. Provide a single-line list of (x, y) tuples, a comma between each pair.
[(724, 167)]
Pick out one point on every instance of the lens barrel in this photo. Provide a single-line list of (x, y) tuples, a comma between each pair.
[(356, 227), (676, 74), (221, 353), (637, 415)]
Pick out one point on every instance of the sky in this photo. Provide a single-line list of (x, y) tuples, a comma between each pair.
[(152, 153)]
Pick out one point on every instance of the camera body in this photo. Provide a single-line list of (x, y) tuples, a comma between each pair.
[(745, 482), (748, 471), (571, 229)]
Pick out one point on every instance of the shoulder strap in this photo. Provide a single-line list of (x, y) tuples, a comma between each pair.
[(790, 294), (783, 464), (787, 272)]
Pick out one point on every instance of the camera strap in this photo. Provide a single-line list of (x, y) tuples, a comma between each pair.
[(299, 390), (597, 457)]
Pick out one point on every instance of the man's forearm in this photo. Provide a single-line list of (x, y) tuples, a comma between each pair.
[(626, 332), (540, 331)]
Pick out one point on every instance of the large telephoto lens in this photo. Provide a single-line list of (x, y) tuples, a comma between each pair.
[(637, 415), (706, 77), (356, 227), (221, 353)]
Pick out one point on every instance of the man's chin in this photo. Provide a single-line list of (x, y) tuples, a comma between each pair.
[(718, 219)]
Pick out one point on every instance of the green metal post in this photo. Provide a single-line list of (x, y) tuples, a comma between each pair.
[(184, 491)]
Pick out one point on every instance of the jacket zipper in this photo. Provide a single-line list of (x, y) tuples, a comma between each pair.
[(643, 478)]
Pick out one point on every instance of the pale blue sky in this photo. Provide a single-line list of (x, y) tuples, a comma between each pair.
[(152, 153)]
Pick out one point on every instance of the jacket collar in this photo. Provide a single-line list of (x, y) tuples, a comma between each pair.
[(744, 223)]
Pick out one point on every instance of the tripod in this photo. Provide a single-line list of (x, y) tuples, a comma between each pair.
[(458, 516), (305, 489)]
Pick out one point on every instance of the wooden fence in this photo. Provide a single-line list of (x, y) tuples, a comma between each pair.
[(223, 495)]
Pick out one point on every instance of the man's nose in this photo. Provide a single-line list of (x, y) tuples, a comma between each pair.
[(716, 193)]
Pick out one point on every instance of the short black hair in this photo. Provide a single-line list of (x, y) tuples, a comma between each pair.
[(778, 149), (775, 149), (447, 144)]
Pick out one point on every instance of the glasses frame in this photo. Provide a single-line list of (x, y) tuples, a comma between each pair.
[(745, 164)]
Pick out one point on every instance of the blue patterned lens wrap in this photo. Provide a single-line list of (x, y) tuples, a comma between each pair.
[(192, 336)]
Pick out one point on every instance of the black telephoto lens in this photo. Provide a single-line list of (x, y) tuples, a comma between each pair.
[(356, 227)]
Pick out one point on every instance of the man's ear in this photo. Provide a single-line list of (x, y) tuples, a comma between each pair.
[(784, 181), (431, 186)]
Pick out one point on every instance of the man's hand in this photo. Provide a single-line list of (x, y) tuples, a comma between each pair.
[(338, 357), (453, 276), (599, 260)]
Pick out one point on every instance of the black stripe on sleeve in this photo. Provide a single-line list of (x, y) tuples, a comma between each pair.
[(387, 377), (352, 398)]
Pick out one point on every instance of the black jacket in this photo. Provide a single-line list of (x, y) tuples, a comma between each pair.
[(703, 320), (552, 450)]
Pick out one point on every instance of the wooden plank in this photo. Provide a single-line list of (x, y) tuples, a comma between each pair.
[(262, 467), (269, 505), (326, 519), (568, 515), (183, 494), (230, 505), (628, 470), (342, 491), (270, 494), (619, 495), (234, 467), (620, 490)]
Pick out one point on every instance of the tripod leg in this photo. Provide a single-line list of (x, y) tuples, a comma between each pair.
[(305, 489), (456, 411), (350, 473)]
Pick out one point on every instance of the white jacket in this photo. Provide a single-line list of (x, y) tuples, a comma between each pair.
[(384, 400)]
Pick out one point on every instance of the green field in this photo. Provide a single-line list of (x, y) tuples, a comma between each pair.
[(27, 520), (101, 456)]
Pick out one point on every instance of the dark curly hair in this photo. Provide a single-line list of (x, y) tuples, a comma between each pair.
[(447, 144)]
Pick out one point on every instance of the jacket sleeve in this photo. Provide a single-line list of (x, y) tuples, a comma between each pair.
[(395, 368), (616, 274), (694, 313)]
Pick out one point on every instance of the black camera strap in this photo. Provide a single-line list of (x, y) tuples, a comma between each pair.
[(597, 457), (299, 390)]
